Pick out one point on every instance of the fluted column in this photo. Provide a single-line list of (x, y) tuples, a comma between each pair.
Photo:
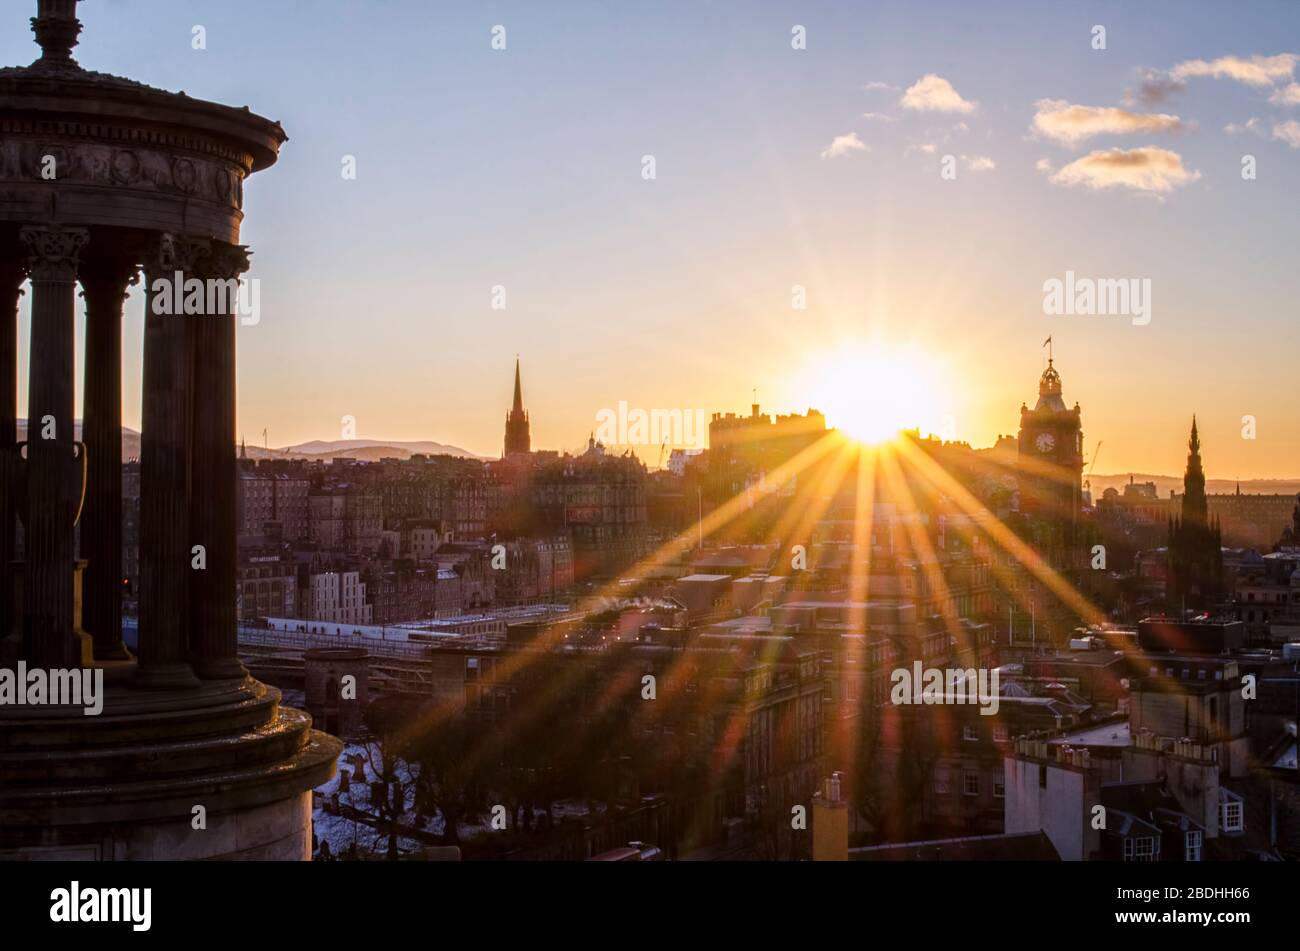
[(53, 473), (164, 469), (13, 271), (213, 636), (104, 282)]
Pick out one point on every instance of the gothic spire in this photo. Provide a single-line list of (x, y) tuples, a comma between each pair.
[(518, 439), (1194, 503)]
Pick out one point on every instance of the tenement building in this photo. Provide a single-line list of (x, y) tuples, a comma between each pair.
[(103, 182)]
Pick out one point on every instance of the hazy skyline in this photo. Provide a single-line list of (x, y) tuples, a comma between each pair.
[(774, 168)]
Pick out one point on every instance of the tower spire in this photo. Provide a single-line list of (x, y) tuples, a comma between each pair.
[(518, 439), (518, 406), (1194, 501)]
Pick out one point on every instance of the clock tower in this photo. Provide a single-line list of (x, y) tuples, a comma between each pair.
[(1051, 455)]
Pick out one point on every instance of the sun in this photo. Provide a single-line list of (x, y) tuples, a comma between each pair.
[(871, 391)]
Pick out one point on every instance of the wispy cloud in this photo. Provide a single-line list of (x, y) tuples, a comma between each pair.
[(844, 145), (978, 163), (1288, 132), (876, 85), (1252, 124), (1148, 169), (1288, 95), (879, 116), (1071, 124), (932, 93), (1255, 71), (1260, 72)]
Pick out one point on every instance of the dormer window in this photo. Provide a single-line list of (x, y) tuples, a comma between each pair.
[(1141, 849)]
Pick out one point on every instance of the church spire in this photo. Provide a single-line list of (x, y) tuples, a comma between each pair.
[(1194, 504), (518, 439)]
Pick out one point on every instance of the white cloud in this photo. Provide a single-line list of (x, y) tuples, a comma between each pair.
[(933, 93), (1250, 125), (1043, 165), (979, 163), (1147, 169), (879, 115), (1071, 124), (1255, 71), (844, 145), (1288, 95), (1288, 132), (876, 85)]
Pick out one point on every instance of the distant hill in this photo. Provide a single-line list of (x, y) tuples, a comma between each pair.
[(130, 438), (1164, 484), (369, 450)]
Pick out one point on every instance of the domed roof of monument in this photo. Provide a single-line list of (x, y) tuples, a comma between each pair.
[(56, 87), (1049, 391)]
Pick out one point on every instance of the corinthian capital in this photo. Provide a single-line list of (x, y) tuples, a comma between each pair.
[(177, 253), (227, 261), (53, 251), (108, 276)]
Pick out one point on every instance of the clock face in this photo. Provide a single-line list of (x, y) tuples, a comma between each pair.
[(1045, 442)]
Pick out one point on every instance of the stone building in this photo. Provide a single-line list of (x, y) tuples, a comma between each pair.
[(336, 703), (268, 583), (338, 596), (346, 519), (152, 181)]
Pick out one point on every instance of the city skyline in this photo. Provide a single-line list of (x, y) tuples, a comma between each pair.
[(620, 288), (879, 603)]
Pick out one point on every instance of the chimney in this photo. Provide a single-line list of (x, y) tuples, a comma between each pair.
[(830, 823)]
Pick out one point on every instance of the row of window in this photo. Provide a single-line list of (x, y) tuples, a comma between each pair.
[(1147, 848), (970, 783)]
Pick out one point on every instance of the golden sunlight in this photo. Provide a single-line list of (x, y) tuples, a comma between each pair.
[(871, 391)]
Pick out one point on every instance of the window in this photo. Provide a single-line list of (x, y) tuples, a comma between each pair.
[(969, 734), (970, 782), (1000, 734), (1230, 817), (941, 780), (999, 789), (1193, 850), (1144, 849)]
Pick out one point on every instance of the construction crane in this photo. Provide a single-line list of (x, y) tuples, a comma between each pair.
[(661, 454)]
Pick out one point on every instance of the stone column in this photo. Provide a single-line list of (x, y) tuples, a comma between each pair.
[(213, 636), (164, 468), (104, 282), (53, 471), (13, 271)]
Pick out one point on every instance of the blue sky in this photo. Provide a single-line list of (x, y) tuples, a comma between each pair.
[(523, 168)]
